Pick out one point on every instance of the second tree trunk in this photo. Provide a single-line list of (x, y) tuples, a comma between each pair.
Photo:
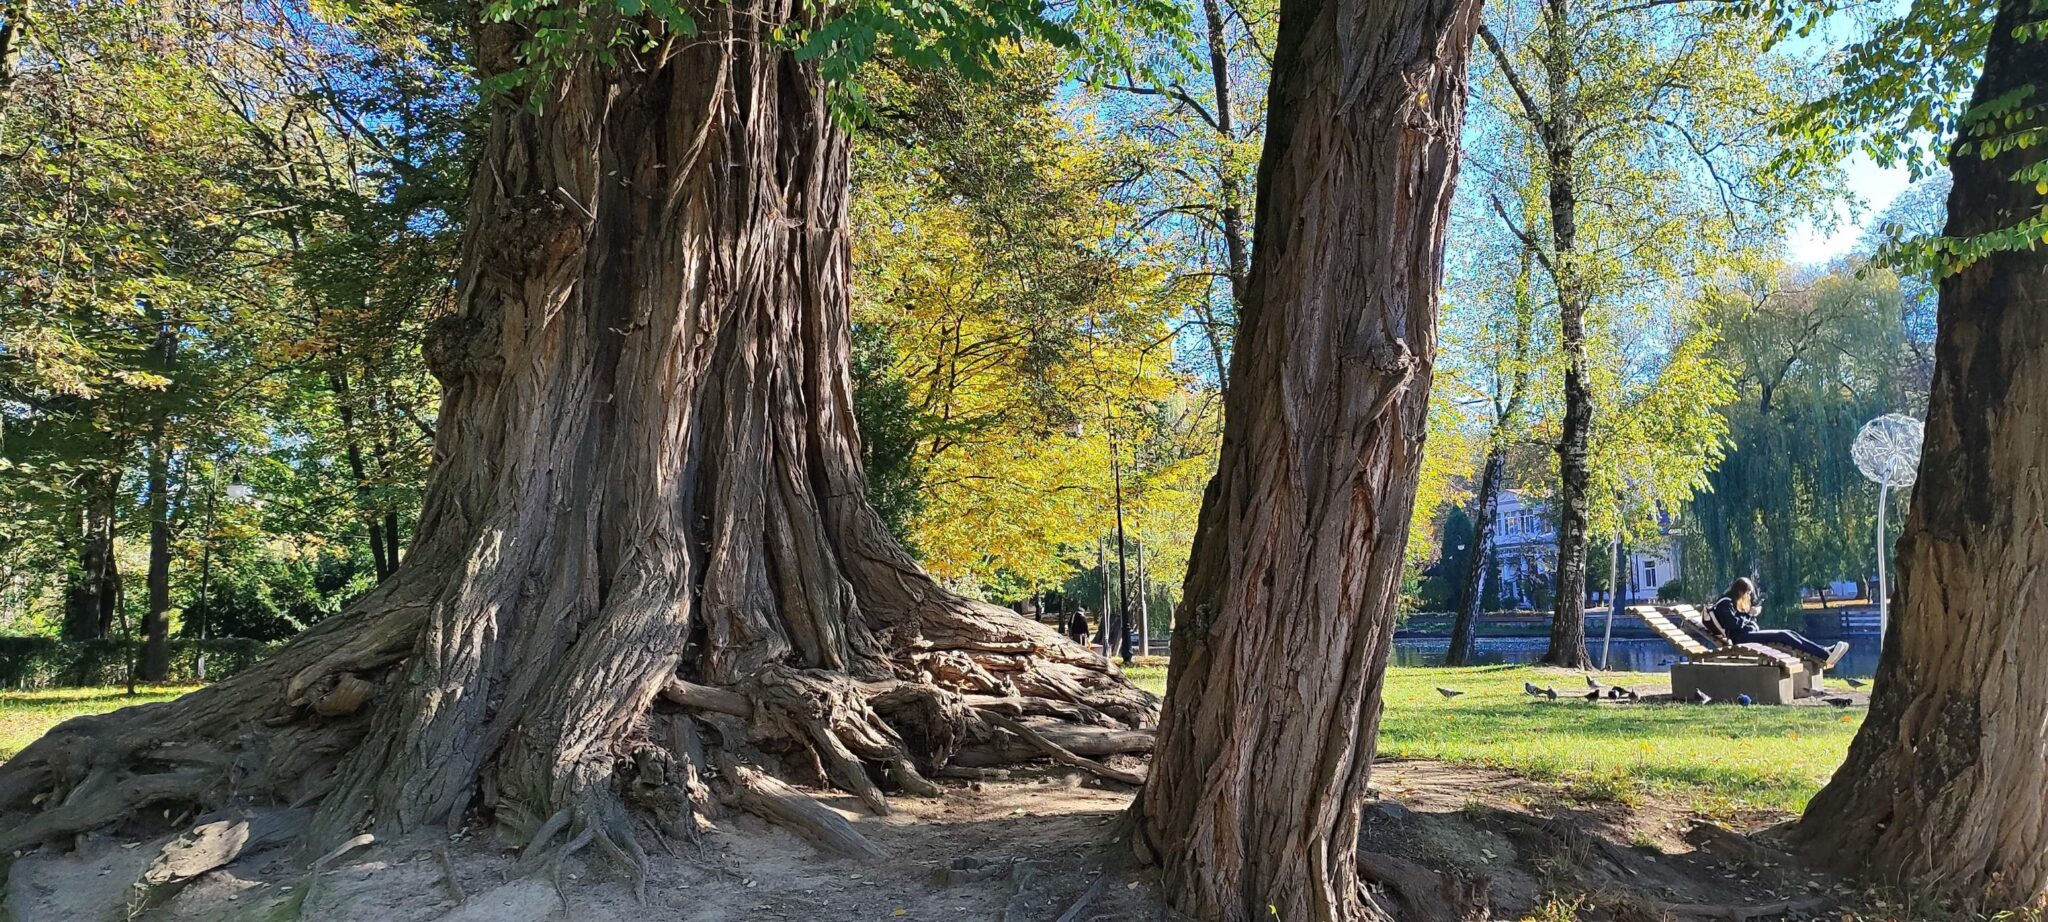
[(1252, 809)]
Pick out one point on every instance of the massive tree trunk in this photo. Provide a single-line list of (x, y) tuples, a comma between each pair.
[(1942, 788), (648, 483), (1465, 627), (1266, 744)]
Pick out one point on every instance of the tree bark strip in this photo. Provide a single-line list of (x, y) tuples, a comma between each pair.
[(1253, 803)]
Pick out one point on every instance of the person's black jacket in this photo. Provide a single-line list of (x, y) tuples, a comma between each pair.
[(1078, 626), (1732, 622)]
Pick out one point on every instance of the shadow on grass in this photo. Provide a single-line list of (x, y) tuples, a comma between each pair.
[(104, 697), (1716, 756)]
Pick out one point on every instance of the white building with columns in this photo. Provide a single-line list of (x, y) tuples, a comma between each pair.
[(1525, 542)]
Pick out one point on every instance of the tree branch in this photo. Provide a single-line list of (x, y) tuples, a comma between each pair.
[(1648, 4), (1528, 242), (1507, 69), (1174, 93)]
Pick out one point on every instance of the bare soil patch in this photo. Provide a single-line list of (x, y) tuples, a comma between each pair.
[(1449, 842)]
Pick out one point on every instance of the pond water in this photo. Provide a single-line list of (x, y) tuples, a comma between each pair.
[(1631, 655)]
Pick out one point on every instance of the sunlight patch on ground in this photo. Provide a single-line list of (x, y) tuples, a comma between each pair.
[(25, 715)]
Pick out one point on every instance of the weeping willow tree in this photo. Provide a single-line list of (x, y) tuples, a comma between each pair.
[(1815, 357)]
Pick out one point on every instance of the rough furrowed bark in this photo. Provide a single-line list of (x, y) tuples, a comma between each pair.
[(1941, 794), (1252, 807), (647, 487)]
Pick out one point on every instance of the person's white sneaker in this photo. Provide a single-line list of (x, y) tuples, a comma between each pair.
[(1835, 653)]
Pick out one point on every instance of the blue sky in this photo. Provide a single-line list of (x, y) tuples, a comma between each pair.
[(1873, 187)]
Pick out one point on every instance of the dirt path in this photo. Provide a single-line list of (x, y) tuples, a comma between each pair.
[(1492, 846)]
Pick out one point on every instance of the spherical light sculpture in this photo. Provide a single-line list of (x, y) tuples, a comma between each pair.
[(1887, 450)]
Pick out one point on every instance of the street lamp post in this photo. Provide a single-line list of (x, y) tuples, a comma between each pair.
[(1613, 597)]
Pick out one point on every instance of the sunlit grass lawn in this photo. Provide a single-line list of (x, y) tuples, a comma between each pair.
[(27, 715), (1715, 758)]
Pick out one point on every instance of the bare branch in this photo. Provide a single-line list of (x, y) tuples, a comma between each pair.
[(1174, 93), (1507, 69)]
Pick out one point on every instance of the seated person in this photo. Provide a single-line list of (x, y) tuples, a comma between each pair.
[(1732, 613)]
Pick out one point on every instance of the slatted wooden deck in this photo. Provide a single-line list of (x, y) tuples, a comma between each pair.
[(1662, 622), (1688, 629)]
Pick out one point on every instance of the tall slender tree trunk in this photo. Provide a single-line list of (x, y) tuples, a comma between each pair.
[(1465, 627), (1252, 808), (1236, 245), (1236, 242), (156, 620), (648, 487), (1568, 619), (1144, 603), (95, 590), (344, 405), (1102, 567), (383, 453), (13, 37), (1942, 788), (1508, 398)]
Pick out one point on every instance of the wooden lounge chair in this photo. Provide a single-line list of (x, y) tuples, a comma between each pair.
[(1701, 640)]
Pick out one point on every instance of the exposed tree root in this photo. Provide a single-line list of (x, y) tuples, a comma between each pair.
[(449, 879), (253, 743), (1717, 912), (1073, 913), (1717, 839), (1091, 742), (1424, 895), (320, 866), (103, 798), (778, 803), (1062, 755), (210, 846)]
